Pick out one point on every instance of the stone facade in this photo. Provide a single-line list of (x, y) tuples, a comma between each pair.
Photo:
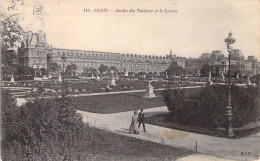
[(219, 63), (36, 53), (34, 50)]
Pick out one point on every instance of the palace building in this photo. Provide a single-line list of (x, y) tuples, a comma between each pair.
[(37, 53)]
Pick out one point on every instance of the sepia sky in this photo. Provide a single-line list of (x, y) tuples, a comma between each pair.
[(199, 26)]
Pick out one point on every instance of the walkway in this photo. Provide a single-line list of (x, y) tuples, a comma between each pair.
[(210, 146), (110, 93), (21, 101)]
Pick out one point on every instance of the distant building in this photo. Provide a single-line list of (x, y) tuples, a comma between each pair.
[(251, 58), (216, 55), (181, 61), (37, 53), (193, 66), (205, 55), (34, 50)]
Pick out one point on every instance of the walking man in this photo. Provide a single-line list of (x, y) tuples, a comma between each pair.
[(141, 119)]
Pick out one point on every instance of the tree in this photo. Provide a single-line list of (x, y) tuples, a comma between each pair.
[(113, 69), (43, 71), (24, 71), (86, 71), (234, 69), (11, 37), (89, 71), (9, 70), (71, 69), (11, 33), (206, 68), (53, 67), (94, 71), (103, 69), (174, 69)]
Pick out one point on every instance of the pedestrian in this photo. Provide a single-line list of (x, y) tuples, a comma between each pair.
[(133, 127), (141, 119)]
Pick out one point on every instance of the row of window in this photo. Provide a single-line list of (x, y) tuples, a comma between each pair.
[(106, 55), (113, 63), (37, 61), (151, 64), (37, 66), (88, 60), (92, 64), (88, 54), (103, 60)]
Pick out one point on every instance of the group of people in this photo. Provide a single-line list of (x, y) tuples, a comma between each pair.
[(137, 119)]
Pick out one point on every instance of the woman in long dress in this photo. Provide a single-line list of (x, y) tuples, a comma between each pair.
[(133, 127)]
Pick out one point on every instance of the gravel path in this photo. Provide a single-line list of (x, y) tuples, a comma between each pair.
[(209, 147)]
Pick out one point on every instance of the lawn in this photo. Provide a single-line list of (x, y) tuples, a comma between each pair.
[(121, 102), (118, 102), (166, 120), (113, 146)]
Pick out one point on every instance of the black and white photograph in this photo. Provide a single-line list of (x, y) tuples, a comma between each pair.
[(130, 80)]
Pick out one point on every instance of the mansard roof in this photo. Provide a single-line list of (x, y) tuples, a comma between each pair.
[(33, 40)]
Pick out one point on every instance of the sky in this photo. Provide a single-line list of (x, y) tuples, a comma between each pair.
[(197, 27)]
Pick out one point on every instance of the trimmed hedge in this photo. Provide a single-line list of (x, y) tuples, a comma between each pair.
[(208, 106)]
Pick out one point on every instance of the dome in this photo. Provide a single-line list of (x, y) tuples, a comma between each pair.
[(230, 39)]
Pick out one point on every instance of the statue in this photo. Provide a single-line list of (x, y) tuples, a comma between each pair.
[(248, 82), (12, 79), (149, 91), (112, 81), (222, 75), (59, 78), (126, 73), (209, 82)]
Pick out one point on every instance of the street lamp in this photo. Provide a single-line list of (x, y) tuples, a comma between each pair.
[(63, 73), (229, 40)]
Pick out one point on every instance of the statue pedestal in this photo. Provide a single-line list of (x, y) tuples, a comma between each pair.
[(37, 78), (222, 76), (33, 89), (248, 82), (126, 73), (98, 78), (59, 78), (12, 79), (149, 92), (112, 81), (209, 82)]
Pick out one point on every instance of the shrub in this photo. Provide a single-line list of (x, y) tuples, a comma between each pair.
[(42, 129), (173, 99), (187, 112), (208, 107)]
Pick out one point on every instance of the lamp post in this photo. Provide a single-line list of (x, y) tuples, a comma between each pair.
[(63, 74), (132, 69), (229, 40)]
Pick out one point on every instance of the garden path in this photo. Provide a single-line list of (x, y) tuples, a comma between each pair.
[(209, 147)]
